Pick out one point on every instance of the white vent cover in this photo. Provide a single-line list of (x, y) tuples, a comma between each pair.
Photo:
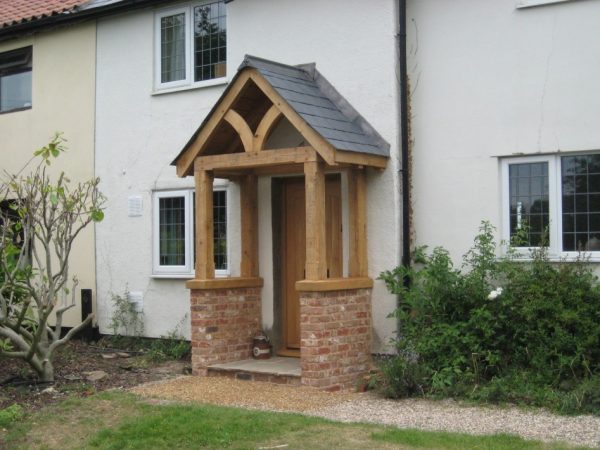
[(136, 298), (134, 206)]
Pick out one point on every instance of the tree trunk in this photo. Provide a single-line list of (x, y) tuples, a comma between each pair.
[(47, 372)]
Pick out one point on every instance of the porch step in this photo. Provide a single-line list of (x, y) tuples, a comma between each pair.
[(273, 370)]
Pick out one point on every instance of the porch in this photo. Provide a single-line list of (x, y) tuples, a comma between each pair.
[(275, 122)]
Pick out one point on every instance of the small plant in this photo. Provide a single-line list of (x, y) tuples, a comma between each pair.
[(126, 320), (173, 345), (10, 414)]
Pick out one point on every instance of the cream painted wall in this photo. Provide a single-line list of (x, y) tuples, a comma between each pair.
[(139, 133), (489, 79), (63, 81)]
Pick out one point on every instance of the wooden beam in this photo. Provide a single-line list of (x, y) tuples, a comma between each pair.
[(357, 209), (205, 262), (185, 162), (316, 258), (295, 155), (224, 283), (333, 284), (361, 159), (249, 222), (318, 142), (267, 123), (242, 129)]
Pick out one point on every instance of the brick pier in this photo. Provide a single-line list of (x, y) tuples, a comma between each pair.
[(335, 338), (224, 322)]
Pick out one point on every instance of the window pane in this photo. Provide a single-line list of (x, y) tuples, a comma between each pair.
[(15, 91), (172, 35), (210, 41), (580, 202), (529, 213), (220, 229), (171, 231)]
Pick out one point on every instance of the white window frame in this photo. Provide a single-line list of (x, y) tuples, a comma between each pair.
[(157, 48), (188, 82), (187, 270), (555, 205)]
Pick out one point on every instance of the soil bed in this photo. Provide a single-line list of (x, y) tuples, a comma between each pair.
[(82, 369)]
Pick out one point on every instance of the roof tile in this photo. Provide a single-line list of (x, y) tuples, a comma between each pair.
[(13, 12)]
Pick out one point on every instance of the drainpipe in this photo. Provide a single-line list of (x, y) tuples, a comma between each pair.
[(405, 230)]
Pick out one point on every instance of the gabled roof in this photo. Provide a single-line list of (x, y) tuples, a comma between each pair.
[(321, 106), (301, 94), (14, 12)]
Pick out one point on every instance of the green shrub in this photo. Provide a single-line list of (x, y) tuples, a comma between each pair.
[(10, 414), (171, 346), (482, 330)]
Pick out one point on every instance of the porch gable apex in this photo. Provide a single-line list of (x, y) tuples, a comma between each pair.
[(319, 114)]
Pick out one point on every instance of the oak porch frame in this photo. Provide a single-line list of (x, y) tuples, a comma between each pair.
[(304, 159)]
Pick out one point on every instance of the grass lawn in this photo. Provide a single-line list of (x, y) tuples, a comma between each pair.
[(123, 421)]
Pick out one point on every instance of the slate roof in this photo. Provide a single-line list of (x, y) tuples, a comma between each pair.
[(320, 105), (13, 12)]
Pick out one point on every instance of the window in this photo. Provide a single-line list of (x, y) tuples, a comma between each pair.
[(191, 45), (15, 79), (174, 232), (554, 197)]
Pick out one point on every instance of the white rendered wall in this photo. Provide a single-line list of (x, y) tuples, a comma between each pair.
[(488, 79), (63, 71), (139, 134)]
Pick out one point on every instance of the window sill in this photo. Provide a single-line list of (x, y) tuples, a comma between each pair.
[(190, 87), (8, 111), (567, 257), (521, 4), (182, 276)]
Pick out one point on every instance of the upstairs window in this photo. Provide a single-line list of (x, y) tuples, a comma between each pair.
[(15, 79), (191, 45)]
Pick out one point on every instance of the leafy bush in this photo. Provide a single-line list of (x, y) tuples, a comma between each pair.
[(10, 414), (500, 326)]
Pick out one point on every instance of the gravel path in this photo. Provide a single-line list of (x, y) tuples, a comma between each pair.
[(354, 407)]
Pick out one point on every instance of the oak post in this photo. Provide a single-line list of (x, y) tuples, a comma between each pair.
[(249, 222), (316, 258), (357, 208), (205, 263)]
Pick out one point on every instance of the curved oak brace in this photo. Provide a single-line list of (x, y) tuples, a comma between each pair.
[(241, 127), (267, 123)]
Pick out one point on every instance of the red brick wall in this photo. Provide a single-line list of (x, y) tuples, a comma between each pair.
[(224, 322), (335, 338)]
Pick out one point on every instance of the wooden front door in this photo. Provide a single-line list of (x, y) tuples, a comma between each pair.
[(294, 250)]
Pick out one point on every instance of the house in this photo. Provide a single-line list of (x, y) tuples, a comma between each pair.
[(162, 71), (264, 161), (47, 85)]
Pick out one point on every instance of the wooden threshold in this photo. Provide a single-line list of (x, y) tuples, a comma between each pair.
[(289, 352), (225, 283), (334, 284)]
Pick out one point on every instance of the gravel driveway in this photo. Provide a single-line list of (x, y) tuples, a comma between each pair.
[(354, 407)]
